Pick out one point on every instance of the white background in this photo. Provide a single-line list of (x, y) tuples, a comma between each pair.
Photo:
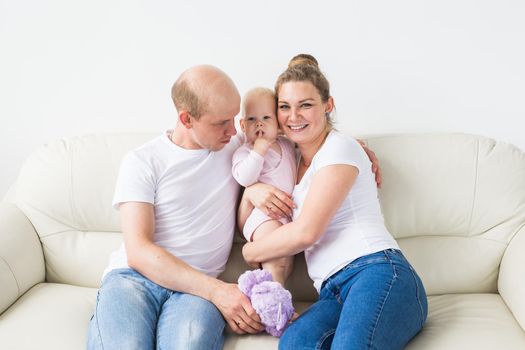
[(70, 68)]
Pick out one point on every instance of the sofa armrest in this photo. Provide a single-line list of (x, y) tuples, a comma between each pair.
[(511, 284), (21, 257)]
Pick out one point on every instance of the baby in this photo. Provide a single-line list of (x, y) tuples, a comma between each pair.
[(265, 157)]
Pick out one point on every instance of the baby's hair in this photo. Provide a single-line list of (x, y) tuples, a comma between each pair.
[(258, 91)]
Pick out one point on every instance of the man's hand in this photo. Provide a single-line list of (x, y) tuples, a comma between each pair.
[(375, 163), (270, 200), (236, 309)]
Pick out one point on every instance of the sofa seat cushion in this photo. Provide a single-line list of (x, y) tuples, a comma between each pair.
[(469, 321), (48, 316), (455, 322), (56, 316)]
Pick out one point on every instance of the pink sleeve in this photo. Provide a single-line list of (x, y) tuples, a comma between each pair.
[(247, 166)]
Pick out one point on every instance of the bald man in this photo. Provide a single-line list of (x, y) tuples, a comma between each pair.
[(177, 201)]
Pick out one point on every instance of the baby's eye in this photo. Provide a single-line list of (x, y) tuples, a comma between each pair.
[(267, 117), (250, 119)]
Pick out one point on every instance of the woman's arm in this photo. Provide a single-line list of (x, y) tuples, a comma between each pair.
[(329, 188)]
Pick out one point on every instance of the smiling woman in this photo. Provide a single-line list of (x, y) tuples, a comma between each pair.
[(370, 296)]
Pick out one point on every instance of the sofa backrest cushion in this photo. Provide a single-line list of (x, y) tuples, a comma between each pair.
[(66, 188), (452, 201)]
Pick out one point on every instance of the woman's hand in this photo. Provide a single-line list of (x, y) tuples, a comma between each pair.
[(270, 200), (375, 162)]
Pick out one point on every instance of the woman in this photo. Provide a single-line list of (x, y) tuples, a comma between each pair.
[(370, 296)]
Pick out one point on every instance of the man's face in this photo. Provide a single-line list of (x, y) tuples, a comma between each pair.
[(214, 129)]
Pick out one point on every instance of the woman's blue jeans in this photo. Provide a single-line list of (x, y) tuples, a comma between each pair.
[(134, 313), (375, 302)]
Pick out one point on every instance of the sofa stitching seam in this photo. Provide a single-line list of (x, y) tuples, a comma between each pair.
[(475, 187), (14, 276), (476, 237), (70, 183)]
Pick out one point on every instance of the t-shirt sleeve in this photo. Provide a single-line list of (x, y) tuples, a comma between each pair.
[(341, 150), (135, 182), (246, 166)]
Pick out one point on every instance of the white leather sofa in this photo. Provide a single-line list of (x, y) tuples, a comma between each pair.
[(455, 203)]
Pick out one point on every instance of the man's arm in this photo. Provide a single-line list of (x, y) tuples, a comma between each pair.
[(161, 267), (375, 162)]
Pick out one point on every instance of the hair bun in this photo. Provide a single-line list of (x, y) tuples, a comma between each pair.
[(303, 58)]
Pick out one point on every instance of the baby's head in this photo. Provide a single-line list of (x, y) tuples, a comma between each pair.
[(259, 115)]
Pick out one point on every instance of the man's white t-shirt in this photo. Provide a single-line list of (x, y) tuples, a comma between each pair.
[(194, 195), (357, 229)]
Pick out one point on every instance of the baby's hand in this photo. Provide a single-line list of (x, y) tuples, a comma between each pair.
[(261, 145)]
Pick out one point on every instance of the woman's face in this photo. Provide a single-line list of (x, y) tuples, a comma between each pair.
[(301, 112)]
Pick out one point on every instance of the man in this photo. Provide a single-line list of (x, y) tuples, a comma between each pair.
[(177, 201)]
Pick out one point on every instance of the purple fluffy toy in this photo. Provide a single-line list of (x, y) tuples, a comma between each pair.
[(272, 302)]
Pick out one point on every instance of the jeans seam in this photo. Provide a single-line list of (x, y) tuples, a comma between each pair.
[(392, 280), (325, 336), (418, 295), (96, 320), (337, 293), (393, 266), (218, 337)]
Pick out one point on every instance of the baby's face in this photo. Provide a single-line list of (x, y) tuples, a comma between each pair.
[(260, 119)]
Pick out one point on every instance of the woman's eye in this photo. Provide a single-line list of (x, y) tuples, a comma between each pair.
[(283, 107), (306, 105)]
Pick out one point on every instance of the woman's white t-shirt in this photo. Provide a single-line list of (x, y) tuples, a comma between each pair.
[(357, 229)]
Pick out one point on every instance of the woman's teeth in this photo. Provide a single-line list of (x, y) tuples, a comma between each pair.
[(298, 127)]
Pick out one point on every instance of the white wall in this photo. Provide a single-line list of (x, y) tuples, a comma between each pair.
[(69, 67)]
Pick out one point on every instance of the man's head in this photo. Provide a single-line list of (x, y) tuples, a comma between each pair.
[(207, 102)]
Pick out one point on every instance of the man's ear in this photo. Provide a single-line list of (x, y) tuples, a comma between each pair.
[(186, 119)]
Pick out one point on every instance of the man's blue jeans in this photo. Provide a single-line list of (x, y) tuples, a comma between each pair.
[(134, 313), (375, 302)]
